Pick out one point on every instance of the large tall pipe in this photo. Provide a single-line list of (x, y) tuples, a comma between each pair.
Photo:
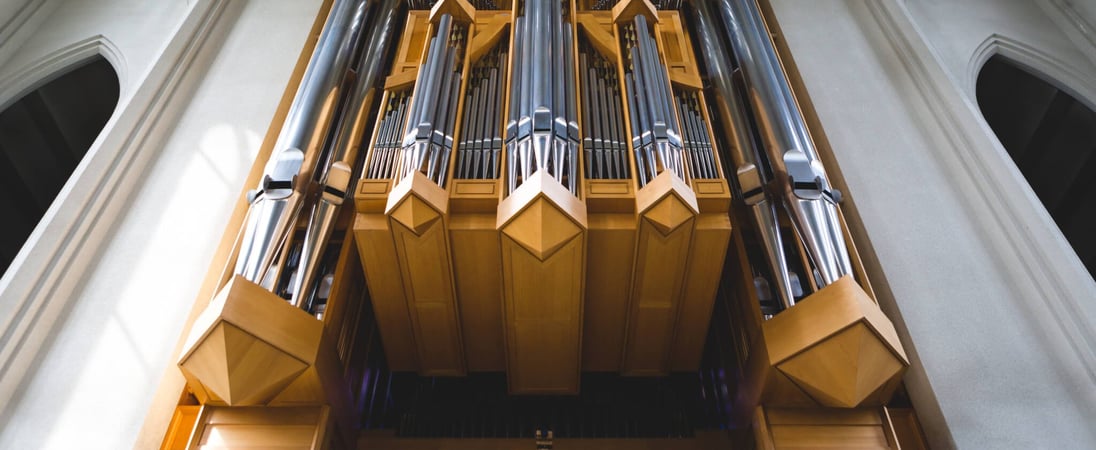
[(751, 178), (352, 127), (542, 133), (276, 202), (808, 195)]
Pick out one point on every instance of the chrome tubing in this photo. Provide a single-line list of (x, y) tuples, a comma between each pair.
[(276, 202), (745, 152), (543, 132), (480, 142), (428, 140), (808, 196), (336, 176), (656, 138)]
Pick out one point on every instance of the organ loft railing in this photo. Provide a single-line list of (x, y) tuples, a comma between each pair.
[(544, 188)]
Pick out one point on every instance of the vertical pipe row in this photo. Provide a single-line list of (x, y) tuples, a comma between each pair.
[(655, 137), (542, 130), (807, 194), (334, 179), (277, 201), (603, 142), (481, 141), (428, 141), (699, 155)]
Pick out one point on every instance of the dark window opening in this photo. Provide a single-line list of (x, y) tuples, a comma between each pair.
[(43, 136), (1052, 139)]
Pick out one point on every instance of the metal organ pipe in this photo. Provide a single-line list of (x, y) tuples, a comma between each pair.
[(745, 153), (542, 133), (276, 202), (656, 139), (428, 142), (335, 177), (808, 196)]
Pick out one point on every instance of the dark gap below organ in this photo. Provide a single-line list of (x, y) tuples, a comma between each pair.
[(609, 405)]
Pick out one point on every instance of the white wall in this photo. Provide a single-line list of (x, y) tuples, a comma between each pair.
[(91, 384), (995, 310)]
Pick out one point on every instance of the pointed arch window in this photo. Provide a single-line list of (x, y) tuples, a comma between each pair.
[(43, 136), (1051, 136)]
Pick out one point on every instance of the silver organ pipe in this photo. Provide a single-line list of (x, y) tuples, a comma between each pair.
[(428, 141), (656, 139), (807, 194), (335, 178), (277, 201), (603, 117), (750, 176), (480, 147), (543, 133)]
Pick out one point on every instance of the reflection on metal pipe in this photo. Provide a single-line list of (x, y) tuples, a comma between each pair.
[(335, 178), (542, 133), (750, 177), (428, 141), (481, 133), (276, 202), (808, 196), (656, 139), (603, 118)]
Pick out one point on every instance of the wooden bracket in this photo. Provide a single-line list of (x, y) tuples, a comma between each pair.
[(491, 26)]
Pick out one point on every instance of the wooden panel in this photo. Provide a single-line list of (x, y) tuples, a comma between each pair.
[(428, 284), (821, 428), (412, 43), (790, 436), (477, 270), (474, 196), (709, 249), (609, 274), (262, 427), (907, 429), (677, 51), (661, 262), (182, 424), (378, 255), (543, 316), (610, 196)]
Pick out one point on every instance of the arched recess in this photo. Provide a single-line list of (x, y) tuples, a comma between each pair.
[(1048, 130), (44, 134)]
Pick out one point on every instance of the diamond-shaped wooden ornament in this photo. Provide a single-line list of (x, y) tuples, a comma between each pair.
[(666, 202), (416, 203), (838, 347), (248, 345), (415, 214), (542, 229)]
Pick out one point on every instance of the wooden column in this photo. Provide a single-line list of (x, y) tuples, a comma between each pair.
[(543, 240), (666, 212), (416, 211)]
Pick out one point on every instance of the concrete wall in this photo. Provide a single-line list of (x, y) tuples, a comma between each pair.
[(995, 309), (201, 81)]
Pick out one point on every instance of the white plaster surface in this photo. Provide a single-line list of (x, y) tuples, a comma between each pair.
[(992, 367), (95, 380)]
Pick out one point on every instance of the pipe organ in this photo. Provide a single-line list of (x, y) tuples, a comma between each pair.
[(545, 188)]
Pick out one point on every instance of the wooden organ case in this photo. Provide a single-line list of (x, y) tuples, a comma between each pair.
[(545, 189)]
